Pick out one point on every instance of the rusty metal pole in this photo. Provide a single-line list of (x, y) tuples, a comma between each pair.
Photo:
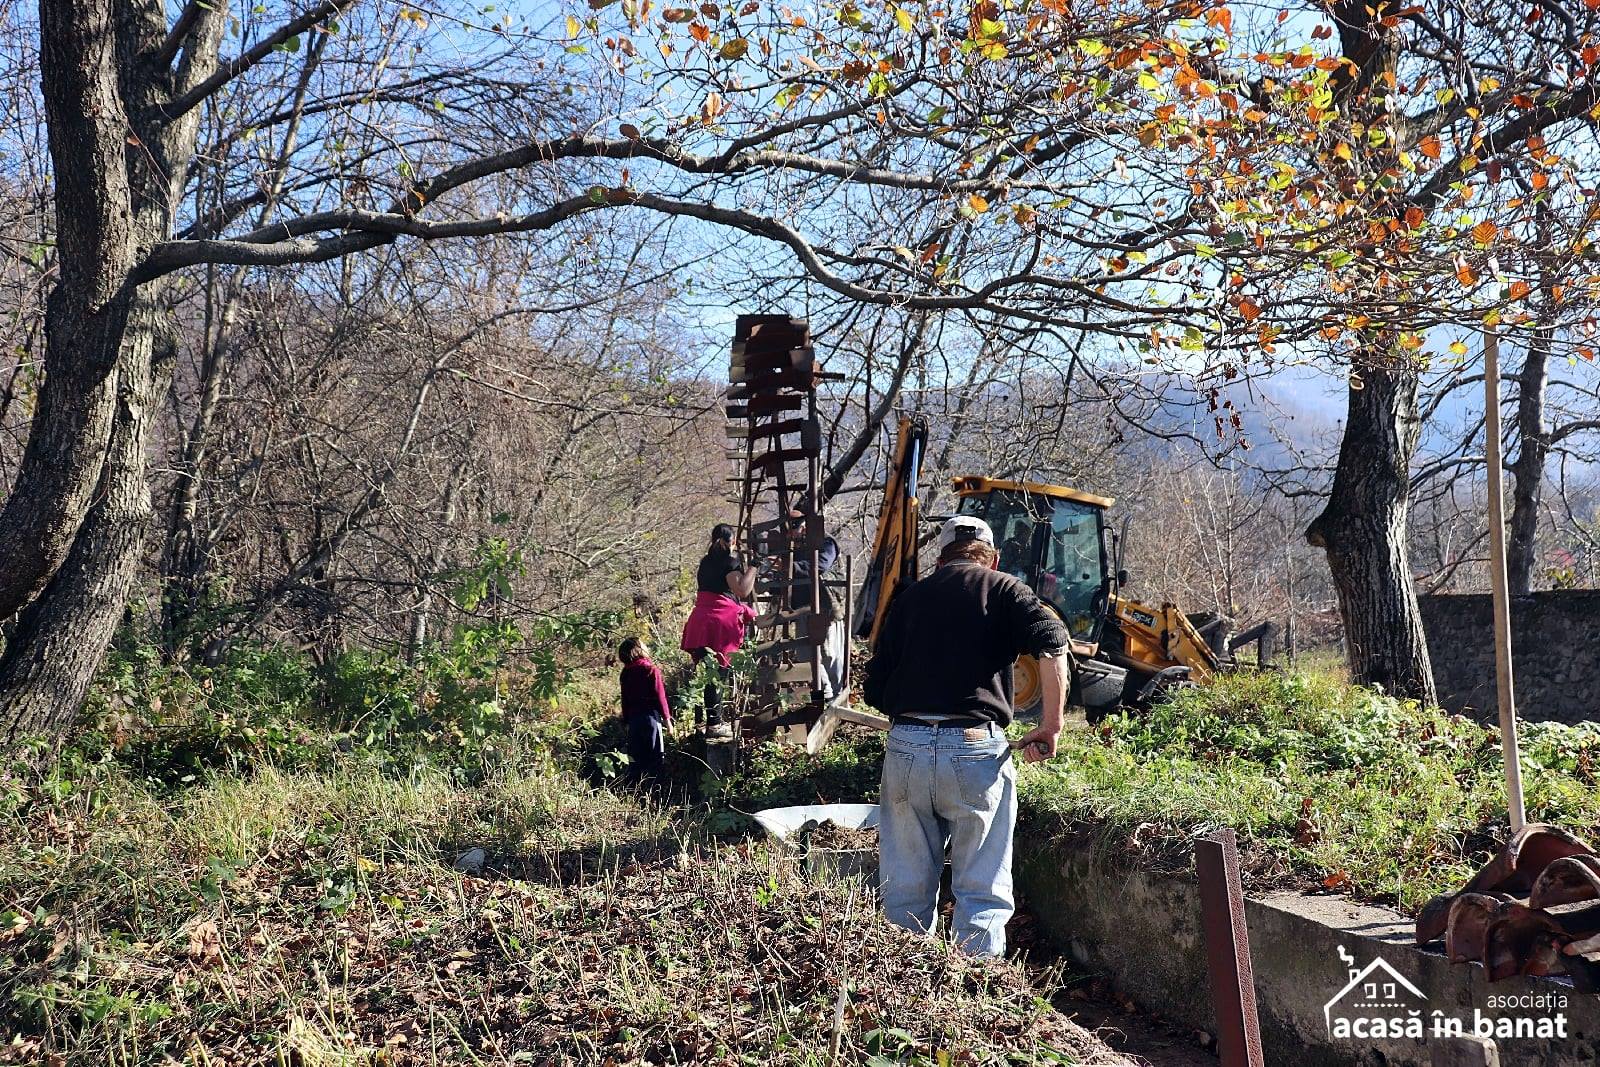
[(1506, 696), (1233, 988)]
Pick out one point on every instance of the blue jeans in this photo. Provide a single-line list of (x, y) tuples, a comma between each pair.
[(955, 785)]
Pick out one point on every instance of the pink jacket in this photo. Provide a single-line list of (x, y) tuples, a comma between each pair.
[(716, 624)]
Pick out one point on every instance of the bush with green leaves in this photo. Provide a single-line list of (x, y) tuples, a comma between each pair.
[(1328, 784)]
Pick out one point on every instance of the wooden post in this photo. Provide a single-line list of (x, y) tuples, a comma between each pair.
[(1497, 573), (849, 628)]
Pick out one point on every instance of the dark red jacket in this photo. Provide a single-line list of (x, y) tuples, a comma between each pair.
[(643, 691)]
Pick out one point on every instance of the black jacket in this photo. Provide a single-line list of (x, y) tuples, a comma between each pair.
[(949, 642)]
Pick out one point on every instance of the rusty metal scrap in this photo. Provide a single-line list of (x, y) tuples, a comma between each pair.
[(1467, 936), (1568, 880), (1528, 911), (1227, 939)]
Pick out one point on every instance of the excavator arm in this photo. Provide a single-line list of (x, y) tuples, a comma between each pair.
[(894, 547)]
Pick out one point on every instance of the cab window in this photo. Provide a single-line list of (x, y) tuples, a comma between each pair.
[(1073, 573)]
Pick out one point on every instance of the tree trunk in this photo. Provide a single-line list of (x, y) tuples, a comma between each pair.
[(1363, 531), (61, 636), (87, 311), (72, 530), (185, 561)]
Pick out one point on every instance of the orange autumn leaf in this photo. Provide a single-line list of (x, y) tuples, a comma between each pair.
[(1414, 217), (1485, 232), (1520, 289), (1540, 179), (1430, 147), (1249, 310), (1465, 274)]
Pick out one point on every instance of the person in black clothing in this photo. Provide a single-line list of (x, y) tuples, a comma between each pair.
[(719, 572), (941, 671)]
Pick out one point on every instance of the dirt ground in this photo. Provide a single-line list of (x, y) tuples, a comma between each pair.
[(1091, 1002)]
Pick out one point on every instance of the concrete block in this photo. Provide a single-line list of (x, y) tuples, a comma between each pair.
[(1465, 1052), (1325, 967)]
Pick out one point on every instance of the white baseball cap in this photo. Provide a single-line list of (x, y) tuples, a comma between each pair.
[(965, 528)]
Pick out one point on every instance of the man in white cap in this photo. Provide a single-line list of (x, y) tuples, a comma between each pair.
[(942, 673)]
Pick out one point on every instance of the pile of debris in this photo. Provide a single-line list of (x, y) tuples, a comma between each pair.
[(1534, 909)]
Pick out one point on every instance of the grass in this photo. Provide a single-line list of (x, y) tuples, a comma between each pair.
[(308, 911), (1330, 786), (314, 916)]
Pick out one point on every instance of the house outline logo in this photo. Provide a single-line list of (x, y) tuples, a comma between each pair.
[(1379, 995)]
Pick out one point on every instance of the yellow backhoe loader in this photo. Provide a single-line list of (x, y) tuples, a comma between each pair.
[(1057, 540)]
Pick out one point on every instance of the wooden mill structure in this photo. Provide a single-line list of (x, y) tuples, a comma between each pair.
[(775, 443)]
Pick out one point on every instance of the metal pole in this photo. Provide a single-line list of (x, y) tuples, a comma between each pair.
[(1233, 987), (1497, 572), (849, 627)]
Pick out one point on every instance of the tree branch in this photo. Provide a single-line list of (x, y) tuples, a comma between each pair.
[(189, 100)]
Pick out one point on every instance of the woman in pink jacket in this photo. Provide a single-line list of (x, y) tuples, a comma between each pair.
[(716, 625)]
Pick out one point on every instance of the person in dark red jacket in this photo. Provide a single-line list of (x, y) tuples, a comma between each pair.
[(644, 708)]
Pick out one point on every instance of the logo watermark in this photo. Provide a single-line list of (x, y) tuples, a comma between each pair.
[(1377, 1002)]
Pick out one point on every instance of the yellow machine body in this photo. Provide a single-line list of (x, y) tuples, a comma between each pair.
[(1055, 539)]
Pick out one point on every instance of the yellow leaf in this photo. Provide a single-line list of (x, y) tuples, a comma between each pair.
[(903, 19), (1342, 151), (574, 27), (977, 203), (1457, 348)]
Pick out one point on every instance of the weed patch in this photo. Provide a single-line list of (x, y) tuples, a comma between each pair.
[(1330, 786)]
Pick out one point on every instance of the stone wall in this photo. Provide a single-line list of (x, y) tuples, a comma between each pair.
[(1555, 644)]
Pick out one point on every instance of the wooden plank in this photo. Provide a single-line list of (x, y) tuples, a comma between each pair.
[(1504, 689)]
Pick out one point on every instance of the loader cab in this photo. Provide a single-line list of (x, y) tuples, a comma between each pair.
[(1053, 538)]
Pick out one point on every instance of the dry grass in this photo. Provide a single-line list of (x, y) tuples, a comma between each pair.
[(315, 919)]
